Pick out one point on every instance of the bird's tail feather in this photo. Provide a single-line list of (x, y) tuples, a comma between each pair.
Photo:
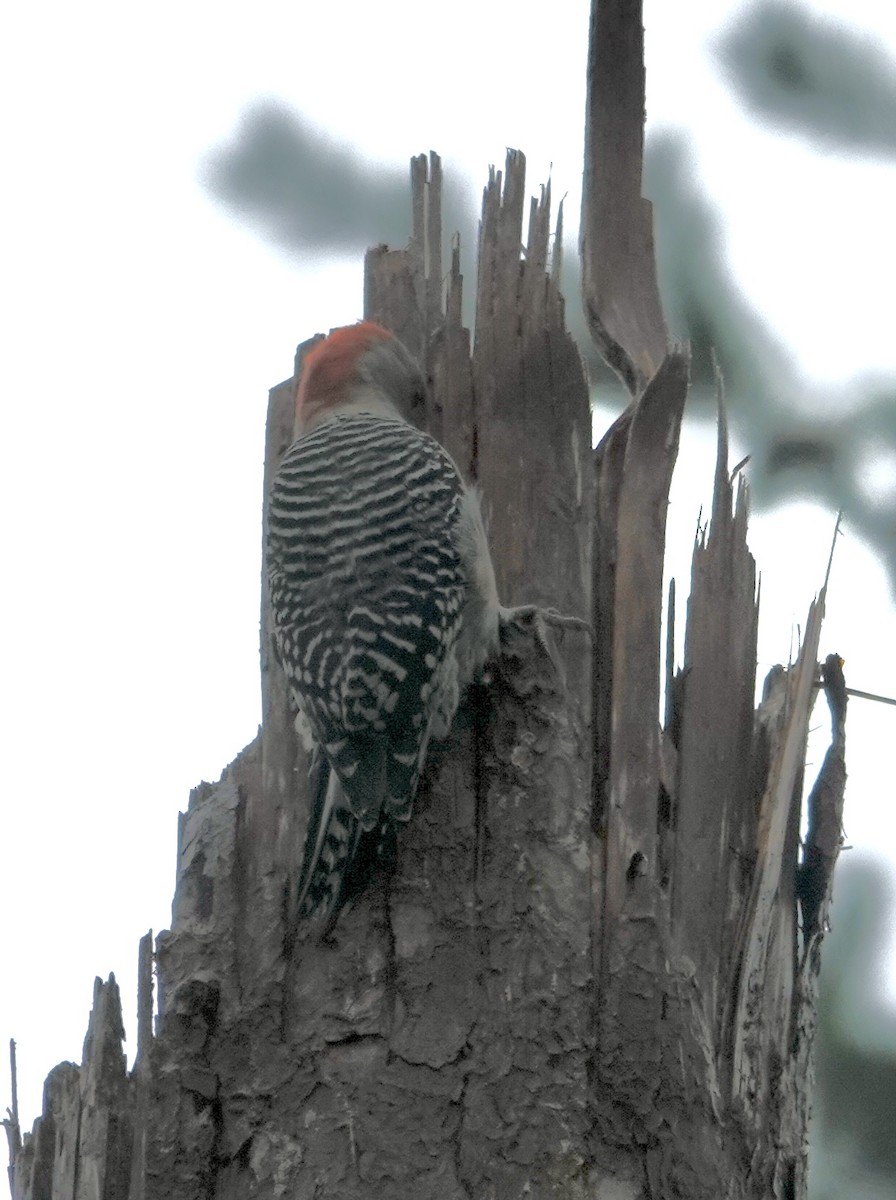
[(340, 855)]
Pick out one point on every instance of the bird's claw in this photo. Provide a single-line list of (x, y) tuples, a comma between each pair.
[(540, 619)]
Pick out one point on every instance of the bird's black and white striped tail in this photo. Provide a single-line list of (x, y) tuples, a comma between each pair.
[(340, 854)]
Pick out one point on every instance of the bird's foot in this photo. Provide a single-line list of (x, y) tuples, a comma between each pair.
[(538, 619)]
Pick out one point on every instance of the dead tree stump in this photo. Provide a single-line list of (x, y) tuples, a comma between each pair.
[(587, 975)]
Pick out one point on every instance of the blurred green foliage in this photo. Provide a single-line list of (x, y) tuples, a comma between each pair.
[(853, 1136), (807, 74)]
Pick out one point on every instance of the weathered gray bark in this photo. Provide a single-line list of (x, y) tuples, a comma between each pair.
[(622, 300), (585, 977)]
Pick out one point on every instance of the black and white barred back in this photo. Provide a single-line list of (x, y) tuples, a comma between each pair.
[(368, 586)]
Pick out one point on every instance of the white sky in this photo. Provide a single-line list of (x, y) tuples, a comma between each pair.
[(143, 328)]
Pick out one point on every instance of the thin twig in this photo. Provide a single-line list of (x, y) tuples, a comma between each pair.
[(827, 574), (863, 695), (870, 696), (739, 467), (13, 1077)]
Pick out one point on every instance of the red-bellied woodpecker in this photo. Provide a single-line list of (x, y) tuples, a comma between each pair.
[(383, 597)]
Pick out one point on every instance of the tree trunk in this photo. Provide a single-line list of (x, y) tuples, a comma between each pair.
[(586, 976)]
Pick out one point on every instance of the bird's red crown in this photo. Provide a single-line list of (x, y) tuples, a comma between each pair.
[(330, 367)]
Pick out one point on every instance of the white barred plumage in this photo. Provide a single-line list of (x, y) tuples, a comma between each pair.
[(383, 596)]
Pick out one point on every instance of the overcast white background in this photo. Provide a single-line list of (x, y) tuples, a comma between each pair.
[(143, 326)]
